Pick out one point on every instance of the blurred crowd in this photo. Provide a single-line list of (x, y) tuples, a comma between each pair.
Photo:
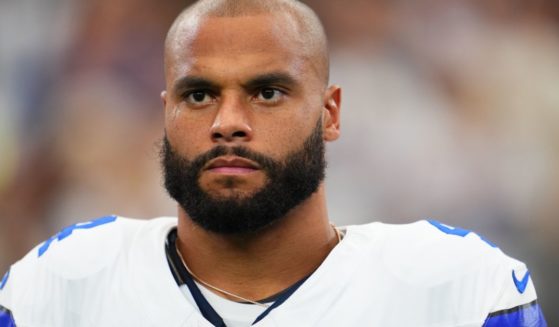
[(450, 110)]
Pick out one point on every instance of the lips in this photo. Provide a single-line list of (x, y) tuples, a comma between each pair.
[(231, 165)]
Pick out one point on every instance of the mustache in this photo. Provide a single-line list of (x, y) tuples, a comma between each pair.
[(266, 163)]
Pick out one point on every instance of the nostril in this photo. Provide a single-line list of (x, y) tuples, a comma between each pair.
[(229, 136), (239, 134)]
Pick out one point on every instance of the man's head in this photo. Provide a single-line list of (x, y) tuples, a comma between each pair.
[(247, 109), (291, 20)]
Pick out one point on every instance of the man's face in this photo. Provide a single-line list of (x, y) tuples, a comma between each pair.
[(289, 182), (241, 83)]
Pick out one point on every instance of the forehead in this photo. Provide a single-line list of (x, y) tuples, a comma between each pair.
[(227, 43), (238, 34)]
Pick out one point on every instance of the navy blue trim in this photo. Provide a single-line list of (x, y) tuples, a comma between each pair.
[(205, 308), (6, 318), (526, 315), (284, 296), (182, 276)]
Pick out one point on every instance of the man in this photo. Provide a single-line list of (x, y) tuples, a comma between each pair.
[(247, 111)]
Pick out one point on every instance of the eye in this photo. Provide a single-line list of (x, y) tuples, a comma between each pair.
[(269, 95), (198, 98)]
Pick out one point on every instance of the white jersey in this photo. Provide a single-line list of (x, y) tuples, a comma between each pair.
[(114, 272)]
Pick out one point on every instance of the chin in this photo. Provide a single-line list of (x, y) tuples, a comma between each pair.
[(232, 194)]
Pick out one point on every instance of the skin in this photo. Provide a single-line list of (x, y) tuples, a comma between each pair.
[(260, 92)]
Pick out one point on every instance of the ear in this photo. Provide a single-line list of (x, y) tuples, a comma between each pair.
[(331, 113), (163, 96)]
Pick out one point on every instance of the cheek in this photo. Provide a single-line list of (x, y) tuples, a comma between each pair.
[(186, 134), (284, 134)]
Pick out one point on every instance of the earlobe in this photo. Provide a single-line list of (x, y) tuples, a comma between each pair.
[(331, 113), (163, 96)]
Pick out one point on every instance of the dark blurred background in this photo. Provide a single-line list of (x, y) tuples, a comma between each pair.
[(450, 111)]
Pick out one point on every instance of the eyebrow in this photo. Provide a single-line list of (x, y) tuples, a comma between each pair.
[(275, 78), (193, 82)]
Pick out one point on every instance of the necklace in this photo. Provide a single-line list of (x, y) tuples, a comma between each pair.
[(222, 291)]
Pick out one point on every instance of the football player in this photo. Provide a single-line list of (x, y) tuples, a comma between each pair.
[(248, 110)]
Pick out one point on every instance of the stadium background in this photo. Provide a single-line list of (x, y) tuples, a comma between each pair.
[(450, 111)]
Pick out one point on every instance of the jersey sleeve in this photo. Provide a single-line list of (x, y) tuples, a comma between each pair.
[(6, 317), (501, 284), (516, 305), (6, 303)]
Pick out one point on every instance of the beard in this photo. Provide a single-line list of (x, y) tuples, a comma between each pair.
[(289, 182)]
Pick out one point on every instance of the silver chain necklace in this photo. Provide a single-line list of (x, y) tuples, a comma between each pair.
[(222, 291)]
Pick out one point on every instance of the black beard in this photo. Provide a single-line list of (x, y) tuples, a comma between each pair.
[(288, 184)]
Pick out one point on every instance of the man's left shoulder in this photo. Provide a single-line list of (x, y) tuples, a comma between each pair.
[(428, 252), (431, 238), (453, 267)]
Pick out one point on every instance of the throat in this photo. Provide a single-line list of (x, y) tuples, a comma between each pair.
[(259, 265), (213, 305)]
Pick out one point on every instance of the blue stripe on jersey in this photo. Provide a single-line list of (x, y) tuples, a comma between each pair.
[(6, 319), (457, 231), (67, 231), (527, 315), (5, 279)]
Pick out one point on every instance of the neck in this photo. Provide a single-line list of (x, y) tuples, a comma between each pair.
[(259, 265)]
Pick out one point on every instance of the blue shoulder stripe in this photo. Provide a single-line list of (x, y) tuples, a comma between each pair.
[(6, 319), (5, 279), (526, 315)]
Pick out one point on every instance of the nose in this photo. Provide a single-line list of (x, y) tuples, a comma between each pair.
[(231, 124)]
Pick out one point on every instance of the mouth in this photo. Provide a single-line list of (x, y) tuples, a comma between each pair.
[(231, 165)]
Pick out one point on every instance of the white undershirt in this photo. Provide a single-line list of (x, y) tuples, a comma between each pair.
[(234, 314)]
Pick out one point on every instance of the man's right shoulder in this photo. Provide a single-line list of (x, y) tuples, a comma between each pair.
[(77, 252)]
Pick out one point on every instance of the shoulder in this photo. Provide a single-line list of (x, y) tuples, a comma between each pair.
[(83, 248), (431, 255), (76, 254), (427, 240), (439, 250)]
